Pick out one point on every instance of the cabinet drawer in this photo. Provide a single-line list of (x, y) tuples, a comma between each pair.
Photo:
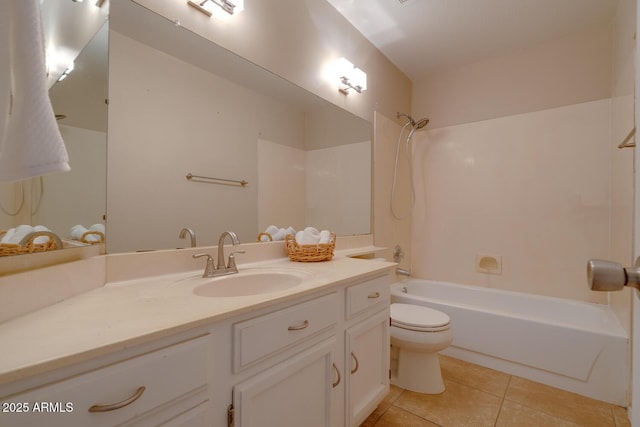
[(165, 374), (262, 336), (374, 293)]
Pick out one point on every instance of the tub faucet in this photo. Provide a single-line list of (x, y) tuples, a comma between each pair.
[(230, 267), (192, 236)]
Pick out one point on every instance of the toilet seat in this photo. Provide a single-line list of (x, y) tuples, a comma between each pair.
[(418, 318)]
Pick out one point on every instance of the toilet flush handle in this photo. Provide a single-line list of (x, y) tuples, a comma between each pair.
[(611, 276)]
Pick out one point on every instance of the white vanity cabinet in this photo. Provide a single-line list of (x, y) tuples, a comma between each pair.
[(322, 362), (366, 348), (162, 387), (283, 364)]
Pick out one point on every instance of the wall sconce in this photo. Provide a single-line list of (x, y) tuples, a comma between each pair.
[(66, 72), (350, 77), (225, 5)]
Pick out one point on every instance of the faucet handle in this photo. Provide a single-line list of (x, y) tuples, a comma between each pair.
[(210, 267), (231, 264)]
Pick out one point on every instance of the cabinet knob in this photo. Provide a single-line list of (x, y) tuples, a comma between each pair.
[(118, 405), (374, 295)]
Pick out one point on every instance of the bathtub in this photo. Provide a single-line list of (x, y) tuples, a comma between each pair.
[(576, 346)]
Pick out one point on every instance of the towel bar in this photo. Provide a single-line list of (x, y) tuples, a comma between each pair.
[(625, 142), (220, 181)]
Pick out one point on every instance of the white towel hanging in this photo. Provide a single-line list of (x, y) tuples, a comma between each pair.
[(30, 141)]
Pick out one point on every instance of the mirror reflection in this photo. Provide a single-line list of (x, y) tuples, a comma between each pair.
[(59, 201), (179, 104)]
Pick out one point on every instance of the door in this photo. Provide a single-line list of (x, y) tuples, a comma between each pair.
[(635, 299), (295, 393)]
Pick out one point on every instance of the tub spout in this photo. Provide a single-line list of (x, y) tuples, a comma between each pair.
[(403, 272)]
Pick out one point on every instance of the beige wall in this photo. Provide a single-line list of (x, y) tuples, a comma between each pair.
[(390, 231), (561, 72), (300, 40)]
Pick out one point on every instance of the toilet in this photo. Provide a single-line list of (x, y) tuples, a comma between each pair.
[(417, 335)]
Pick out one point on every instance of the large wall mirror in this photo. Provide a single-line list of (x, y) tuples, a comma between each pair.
[(180, 104)]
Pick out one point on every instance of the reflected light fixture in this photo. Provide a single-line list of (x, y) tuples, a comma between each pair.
[(226, 5), (350, 77), (66, 72)]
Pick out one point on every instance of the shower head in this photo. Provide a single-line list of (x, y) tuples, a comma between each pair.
[(420, 123), (415, 125)]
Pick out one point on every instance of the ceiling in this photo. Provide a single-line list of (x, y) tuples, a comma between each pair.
[(422, 36)]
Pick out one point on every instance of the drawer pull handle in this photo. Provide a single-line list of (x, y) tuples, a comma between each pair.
[(355, 369), (375, 295), (114, 406), (304, 325), (337, 372)]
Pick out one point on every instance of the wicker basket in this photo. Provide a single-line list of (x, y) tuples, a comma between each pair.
[(7, 249), (83, 238), (264, 233), (309, 253)]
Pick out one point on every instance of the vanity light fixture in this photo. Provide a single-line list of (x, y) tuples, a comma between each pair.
[(350, 77), (226, 5), (66, 72)]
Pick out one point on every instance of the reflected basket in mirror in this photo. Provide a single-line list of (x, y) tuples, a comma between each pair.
[(99, 234), (264, 234), (309, 253), (27, 245)]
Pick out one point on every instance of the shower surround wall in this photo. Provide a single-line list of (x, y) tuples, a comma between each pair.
[(531, 188), (523, 166)]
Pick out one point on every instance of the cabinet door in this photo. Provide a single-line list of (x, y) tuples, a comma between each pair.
[(294, 393), (367, 366)]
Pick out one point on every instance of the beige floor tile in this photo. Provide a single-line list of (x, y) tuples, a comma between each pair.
[(392, 396), (514, 415), (479, 377), (559, 403), (620, 416), (458, 406), (396, 417)]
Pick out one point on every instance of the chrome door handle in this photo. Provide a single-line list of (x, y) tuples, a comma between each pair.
[(611, 276)]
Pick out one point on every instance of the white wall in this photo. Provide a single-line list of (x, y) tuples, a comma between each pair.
[(531, 188)]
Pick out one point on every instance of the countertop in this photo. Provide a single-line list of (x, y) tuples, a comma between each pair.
[(120, 315)]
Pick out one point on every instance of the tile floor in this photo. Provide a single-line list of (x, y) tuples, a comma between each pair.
[(476, 396)]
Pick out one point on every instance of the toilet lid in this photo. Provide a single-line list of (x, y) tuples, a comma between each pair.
[(417, 317)]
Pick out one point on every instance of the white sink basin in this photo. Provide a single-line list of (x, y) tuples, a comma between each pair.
[(238, 285)]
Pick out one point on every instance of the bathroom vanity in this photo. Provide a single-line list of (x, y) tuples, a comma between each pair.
[(152, 352)]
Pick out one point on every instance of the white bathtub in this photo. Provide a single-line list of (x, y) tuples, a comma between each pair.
[(576, 346)]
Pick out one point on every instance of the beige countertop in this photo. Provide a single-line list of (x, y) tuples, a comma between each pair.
[(122, 314)]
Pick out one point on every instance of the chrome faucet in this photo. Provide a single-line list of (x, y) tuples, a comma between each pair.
[(222, 268), (230, 266), (192, 235)]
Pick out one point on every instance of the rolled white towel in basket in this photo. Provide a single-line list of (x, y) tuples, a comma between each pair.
[(311, 236)]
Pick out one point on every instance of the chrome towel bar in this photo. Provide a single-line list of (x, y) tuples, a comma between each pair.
[(220, 181), (625, 142)]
